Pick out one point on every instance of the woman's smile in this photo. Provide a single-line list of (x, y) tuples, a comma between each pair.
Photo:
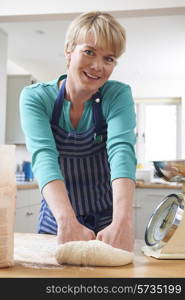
[(91, 76)]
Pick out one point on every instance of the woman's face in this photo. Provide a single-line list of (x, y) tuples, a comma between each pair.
[(89, 66)]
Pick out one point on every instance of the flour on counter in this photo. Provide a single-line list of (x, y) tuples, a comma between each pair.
[(35, 250)]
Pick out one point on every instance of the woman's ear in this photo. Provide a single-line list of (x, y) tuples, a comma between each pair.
[(67, 54), (68, 57)]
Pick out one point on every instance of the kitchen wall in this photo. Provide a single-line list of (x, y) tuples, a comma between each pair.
[(153, 63), (3, 70)]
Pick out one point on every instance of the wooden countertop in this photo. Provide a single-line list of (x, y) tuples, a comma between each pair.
[(27, 186), (142, 267), (150, 185)]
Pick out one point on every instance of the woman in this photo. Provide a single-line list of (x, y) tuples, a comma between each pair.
[(80, 131)]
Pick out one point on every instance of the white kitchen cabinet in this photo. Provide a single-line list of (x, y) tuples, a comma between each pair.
[(27, 210), (15, 84), (146, 200)]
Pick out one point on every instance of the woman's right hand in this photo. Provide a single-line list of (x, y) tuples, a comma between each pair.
[(71, 230)]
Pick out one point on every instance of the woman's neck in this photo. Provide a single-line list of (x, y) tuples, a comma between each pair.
[(76, 96)]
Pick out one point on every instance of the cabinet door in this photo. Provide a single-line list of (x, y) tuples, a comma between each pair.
[(27, 219), (27, 210), (15, 84)]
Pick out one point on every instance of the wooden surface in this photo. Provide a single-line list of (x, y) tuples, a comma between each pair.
[(27, 186), (142, 266), (150, 185)]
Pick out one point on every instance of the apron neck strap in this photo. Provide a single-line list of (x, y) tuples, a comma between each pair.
[(58, 104), (97, 113)]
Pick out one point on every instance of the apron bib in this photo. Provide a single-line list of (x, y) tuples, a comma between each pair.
[(84, 163)]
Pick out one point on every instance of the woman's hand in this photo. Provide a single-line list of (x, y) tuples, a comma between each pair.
[(118, 235), (71, 230)]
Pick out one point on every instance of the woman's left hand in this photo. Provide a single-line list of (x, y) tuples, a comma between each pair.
[(118, 235)]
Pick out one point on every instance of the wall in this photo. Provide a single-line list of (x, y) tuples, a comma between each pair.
[(154, 63), (14, 69), (3, 68)]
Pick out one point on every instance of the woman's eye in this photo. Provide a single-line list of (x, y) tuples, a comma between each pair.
[(89, 52), (109, 59)]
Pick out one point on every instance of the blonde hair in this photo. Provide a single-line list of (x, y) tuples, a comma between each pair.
[(107, 31)]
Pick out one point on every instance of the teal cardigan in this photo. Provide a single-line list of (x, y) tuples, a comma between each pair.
[(36, 106)]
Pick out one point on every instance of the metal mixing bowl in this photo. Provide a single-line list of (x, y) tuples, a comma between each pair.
[(170, 170)]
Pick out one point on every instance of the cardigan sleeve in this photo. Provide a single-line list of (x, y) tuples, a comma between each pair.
[(120, 116), (35, 120)]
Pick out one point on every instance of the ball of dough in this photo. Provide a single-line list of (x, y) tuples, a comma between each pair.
[(92, 253)]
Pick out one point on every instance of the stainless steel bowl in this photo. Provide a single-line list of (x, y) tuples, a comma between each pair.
[(170, 170)]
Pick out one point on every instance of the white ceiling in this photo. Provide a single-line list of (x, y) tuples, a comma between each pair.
[(155, 46)]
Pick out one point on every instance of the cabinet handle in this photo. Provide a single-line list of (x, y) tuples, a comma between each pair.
[(137, 206), (29, 214)]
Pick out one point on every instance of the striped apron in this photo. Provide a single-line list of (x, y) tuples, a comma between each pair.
[(84, 163)]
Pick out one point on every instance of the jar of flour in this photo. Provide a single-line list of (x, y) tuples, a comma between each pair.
[(7, 204)]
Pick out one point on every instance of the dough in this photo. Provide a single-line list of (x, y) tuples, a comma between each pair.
[(92, 253)]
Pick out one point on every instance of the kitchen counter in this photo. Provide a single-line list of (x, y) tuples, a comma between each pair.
[(25, 185), (153, 185), (142, 267)]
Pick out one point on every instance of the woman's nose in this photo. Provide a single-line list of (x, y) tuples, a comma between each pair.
[(97, 64)]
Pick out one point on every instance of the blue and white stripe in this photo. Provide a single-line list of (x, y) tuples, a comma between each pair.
[(84, 163)]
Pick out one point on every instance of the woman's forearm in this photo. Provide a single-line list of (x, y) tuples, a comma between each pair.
[(56, 196), (123, 195), (69, 229)]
